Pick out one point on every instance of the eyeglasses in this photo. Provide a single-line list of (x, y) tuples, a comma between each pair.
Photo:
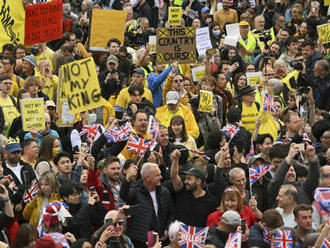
[(178, 80), (7, 83)]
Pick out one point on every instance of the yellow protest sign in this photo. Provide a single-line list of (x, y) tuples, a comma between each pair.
[(80, 85), (324, 33), (33, 114), (178, 2), (12, 18), (205, 101), (326, 2), (198, 72), (253, 77), (174, 16), (105, 24)]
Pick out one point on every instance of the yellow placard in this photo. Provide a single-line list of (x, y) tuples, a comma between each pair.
[(105, 24), (324, 33), (178, 2), (80, 85), (326, 2), (174, 16), (199, 74), (12, 17), (205, 101), (33, 114), (254, 80)]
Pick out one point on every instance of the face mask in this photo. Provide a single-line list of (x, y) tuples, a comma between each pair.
[(216, 33), (92, 117), (34, 50), (56, 150)]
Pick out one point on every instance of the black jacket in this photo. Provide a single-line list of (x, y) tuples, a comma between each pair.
[(216, 237), (146, 219)]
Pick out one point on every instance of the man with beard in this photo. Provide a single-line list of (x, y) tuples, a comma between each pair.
[(17, 173), (192, 203), (225, 15), (108, 184)]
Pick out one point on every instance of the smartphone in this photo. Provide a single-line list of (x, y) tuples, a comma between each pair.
[(92, 189), (119, 115), (83, 147), (131, 210), (152, 238), (243, 225)]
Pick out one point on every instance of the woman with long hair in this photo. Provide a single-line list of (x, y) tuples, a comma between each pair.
[(26, 235), (49, 192), (49, 148), (178, 134)]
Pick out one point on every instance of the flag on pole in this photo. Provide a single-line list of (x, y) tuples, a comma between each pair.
[(267, 238), (268, 103), (326, 243), (111, 134), (306, 138), (199, 153), (257, 172), (283, 239), (124, 131), (251, 152), (191, 236), (230, 130), (153, 126), (91, 131), (31, 192), (137, 144), (234, 240), (322, 197)]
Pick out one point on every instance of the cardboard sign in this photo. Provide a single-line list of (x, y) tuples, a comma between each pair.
[(253, 77), (174, 16), (12, 17), (105, 24), (205, 101), (80, 85), (176, 44), (43, 22), (33, 114), (324, 33)]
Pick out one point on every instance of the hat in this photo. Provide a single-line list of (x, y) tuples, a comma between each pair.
[(31, 59), (138, 70), (245, 90), (244, 23), (195, 172), (204, 10), (172, 97), (231, 218), (13, 145), (50, 103), (47, 242), (254, 158), (112, 59)]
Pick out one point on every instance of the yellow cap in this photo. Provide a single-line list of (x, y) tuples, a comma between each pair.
[(244, 23)]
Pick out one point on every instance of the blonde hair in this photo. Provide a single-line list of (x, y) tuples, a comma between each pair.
[(233, 193), (50, 177), (30, 81)]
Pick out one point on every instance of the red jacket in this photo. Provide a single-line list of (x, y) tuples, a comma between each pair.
[(246, 213)]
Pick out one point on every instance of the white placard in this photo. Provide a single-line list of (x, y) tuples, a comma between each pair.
[(203, 41)]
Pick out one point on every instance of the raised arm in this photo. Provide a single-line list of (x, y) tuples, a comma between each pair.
[(176, 180)]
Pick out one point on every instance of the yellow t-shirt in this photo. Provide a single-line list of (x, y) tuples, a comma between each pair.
[(9, 110), (168, 115), (124, 98), (249, 116), (50, 86)]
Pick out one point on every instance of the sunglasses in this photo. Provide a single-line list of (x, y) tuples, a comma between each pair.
[(178, 80)]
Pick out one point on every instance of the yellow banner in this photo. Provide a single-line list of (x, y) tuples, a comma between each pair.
[(174, 16), (205, 101), (33, 114), (80, 85), (105, 24), (324, 33), (12, 18)]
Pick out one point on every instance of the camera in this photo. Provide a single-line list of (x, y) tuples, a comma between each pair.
[(297, 65), (264, 36)]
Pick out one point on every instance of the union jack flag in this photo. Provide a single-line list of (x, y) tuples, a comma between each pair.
[(306, 138), (268, 103), (234, 240), (191, 236), (199, 153), (111, 135), (91, 131), (31, 192), (326, 243), (283, 239), (153, 126), (124, 131), (257, 172), (266, 236), (230, 130), (137, 144), (251, 152), (322, 197)]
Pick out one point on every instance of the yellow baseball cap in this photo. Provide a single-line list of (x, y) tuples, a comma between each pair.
[(244, 23)]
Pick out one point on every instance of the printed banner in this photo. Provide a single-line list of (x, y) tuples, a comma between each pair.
[(80, 85), (33, 114), (324, 33), (174, 16), (205, 101), (12, 18), (176, 44), (43, 22), (105, 24)]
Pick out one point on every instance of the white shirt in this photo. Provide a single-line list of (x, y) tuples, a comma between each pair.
[(17, 171), (288, 219), (154, 201)]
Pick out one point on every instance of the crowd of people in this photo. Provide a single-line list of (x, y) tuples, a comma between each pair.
[(76, 186)]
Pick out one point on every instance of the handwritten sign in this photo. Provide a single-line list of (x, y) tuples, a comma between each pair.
[(33, 114), (43, 22), (324, 33), (205, 101), (105, 24), (174, 16), (176, 44), (81, 86), (12, 17)]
